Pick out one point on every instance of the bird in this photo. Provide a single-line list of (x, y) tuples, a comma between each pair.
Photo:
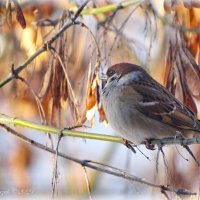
[(140, 109)]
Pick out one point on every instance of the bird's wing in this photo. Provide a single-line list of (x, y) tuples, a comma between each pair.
[(157, 103)]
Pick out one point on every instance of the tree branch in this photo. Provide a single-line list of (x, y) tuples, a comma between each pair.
[(7, 120), (13, 74), (111, 7), (98, 166)]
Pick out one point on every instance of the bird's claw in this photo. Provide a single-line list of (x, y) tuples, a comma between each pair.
[(129, 145), (148, 144)]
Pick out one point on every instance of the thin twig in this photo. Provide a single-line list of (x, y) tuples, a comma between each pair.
[(191, 153), (39, 105), (168, 172), (87, 182), (55, 170)]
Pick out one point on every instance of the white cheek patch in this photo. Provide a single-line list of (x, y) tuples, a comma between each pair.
[(130, 77)]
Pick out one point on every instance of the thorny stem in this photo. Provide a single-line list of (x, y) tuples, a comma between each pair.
[(7, 120), (98, 166)]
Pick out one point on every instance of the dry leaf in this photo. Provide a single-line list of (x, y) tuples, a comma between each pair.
[(102, 115), (170, 5), (191, 3), (91, 98), (183, 75), (19, 14)]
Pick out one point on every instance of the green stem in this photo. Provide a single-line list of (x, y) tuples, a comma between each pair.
[(110, 7), (6, 120)]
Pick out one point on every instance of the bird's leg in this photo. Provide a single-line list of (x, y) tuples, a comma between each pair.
[(148, 144), (179, 135), (129, 145)]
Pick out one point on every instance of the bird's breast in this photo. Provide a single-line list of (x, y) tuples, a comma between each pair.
[(128, 122)]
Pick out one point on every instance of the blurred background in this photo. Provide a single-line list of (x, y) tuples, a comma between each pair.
[(61, 87)]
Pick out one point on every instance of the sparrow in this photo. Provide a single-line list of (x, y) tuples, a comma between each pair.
[(139, 109)]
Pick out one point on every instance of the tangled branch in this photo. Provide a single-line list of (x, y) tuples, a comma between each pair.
[(99, 166)]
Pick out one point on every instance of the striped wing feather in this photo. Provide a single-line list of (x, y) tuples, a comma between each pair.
[(161, 105)]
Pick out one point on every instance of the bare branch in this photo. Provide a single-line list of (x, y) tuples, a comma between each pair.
[(98, 166), (42, 49), (7, 120)]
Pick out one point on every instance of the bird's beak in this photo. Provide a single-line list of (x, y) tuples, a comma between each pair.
[(103, 77)]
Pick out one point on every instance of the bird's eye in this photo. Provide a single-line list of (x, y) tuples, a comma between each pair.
[(112, 79), (110, 73)]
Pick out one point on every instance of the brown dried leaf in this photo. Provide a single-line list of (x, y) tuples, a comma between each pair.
[(192, 40), (91, 98), (19, 14), (187, 98), (199, 55), (169, 72), (191, 3), (4, 13), (179, 79), (182, 72), (102, 115), (72, 79), (175, 3), (192, 72), (170, 5), (58, 82)]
